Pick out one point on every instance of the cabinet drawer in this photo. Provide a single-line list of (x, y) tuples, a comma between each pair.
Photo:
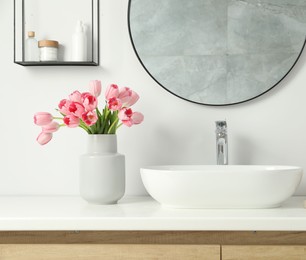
[(107, 252), (263, 252)]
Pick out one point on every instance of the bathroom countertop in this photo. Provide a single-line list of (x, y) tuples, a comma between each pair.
[(20, 213)]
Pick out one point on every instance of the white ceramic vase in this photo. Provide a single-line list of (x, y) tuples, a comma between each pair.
[(102, 171)]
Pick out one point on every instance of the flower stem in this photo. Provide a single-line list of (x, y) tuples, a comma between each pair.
[(84, 126), (59, 118), (113, 126), (119, 126), (105, 119)]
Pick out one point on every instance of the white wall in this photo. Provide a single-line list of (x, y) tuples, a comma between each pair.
[(268, 130)]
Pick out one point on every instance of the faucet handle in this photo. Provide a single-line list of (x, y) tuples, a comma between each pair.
[(221, 126)]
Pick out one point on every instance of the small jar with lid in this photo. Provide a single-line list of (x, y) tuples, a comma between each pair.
[(48, 50)]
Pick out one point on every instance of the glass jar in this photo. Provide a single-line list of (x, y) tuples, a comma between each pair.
[(31, 48), (48, 50)]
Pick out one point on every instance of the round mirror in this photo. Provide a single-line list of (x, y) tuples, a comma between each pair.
[(217, 52)]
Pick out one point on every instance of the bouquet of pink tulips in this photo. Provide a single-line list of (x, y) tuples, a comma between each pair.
[(81, 110)]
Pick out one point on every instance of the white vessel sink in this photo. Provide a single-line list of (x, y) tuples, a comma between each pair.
[(221, 186)]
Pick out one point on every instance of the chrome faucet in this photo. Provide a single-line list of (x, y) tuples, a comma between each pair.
[(221, 143)]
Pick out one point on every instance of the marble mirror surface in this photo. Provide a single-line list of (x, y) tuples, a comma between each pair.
[(218, 52)]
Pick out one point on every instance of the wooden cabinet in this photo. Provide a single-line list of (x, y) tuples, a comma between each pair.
[(146, 245), (108, 252), (149, 252), (263, 252)]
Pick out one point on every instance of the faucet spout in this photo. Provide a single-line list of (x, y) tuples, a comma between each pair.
[(221, 143)]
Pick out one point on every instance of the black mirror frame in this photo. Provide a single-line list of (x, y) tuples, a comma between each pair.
[(228, 104)]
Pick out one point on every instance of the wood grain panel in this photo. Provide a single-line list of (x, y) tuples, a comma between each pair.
[(108, 252), (263, 252), (154, 237)]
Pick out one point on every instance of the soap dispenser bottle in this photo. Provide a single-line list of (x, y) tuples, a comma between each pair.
[(31, 48), (79, 43)]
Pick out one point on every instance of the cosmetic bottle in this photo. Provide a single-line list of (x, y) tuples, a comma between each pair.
[(31, 48), (79, 43)]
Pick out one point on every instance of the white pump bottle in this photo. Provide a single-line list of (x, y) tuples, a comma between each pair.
[(79, 43)]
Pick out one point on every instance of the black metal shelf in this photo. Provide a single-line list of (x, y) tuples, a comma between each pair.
[(57, 63), (19, 38)]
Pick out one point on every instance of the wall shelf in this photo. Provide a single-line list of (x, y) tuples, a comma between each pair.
[(56, 20), (57, 63)]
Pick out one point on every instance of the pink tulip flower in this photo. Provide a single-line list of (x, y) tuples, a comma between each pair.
[(81, 110), (112, 91), (71, 121), (64, 106), (129, 118), (95, 87), (114, 104), (89, 101), (42, 118), (76, 109), (90, 118), (76, 96), (128, 97), (51, 128), (125, 95), (133, 99), (44, 138), (137, 118), (125, 114)]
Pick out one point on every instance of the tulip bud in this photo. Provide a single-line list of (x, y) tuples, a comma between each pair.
[(42, 118), (51, 128), (112, 91), (44, 138), (95, 87)]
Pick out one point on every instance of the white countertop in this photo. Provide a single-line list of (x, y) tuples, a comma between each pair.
[(141, 213)]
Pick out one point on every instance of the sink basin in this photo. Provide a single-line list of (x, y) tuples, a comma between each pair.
[(221, 186)]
